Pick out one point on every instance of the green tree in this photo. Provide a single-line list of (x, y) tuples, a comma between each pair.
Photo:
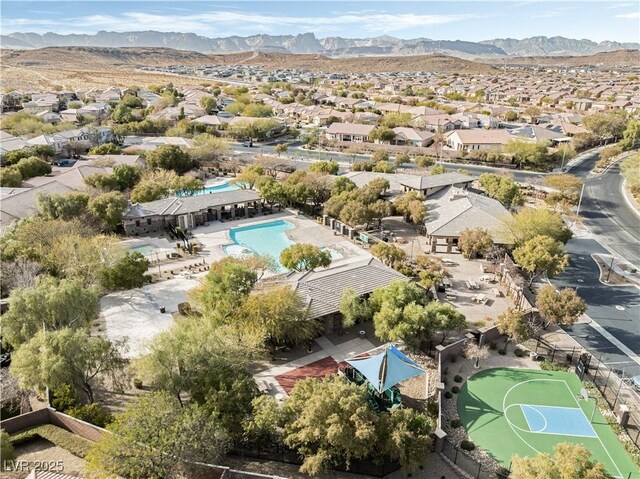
[(568, 190), (411, 206), (186, 185), (511, 115), (328, 167), (393, 120), (109, 208), (607, 124), (570, 461), (382, 134), (405, 435), (126, 176), (128, 272), (32, 167), (122, 114), (560, 307), (6, 450), (401, 159), (304, 257), (380, 155), (64, 206), (131, 101), (354, 308), (424, 161), (162, 444), (531, 222), (105, 149), (224, 289), (384, 166), (272, 192), (539, 255), (342, 183), (437, 170), (631, 135), (528, 155), (502, 188), (281, 148), (93, 413), (474, 242), (10, 177), (67, 356), (280, 315), (430, 270), (329, 422), (389, 254), (250, 176), (209, 103), (514, 325), (52, 304), (170, 157)]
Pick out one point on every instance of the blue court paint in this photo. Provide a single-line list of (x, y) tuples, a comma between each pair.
[(568, 421)]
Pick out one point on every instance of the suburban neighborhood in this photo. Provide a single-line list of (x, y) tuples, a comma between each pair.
[(246, 263)]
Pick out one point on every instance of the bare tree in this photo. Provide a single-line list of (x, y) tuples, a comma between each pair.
[(20, 273), (474, 351)]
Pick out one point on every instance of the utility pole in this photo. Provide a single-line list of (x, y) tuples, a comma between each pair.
[(580, 200)]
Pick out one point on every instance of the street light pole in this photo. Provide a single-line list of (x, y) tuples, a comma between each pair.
[(580, 200)]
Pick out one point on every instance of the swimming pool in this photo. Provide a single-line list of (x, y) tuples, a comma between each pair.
[(266, 239), (215, 188)]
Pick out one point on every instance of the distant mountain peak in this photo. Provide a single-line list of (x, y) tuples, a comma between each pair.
[(309, 43)]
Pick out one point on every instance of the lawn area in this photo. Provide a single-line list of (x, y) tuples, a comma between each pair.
[(522, 411)]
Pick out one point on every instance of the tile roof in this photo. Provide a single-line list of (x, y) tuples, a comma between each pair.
[(179, 205), (451, 211), (322, 290)]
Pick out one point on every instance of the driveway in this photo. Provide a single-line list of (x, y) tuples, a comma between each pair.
[(614, 310)]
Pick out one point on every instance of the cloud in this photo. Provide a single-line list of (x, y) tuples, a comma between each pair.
[(618, 5), (631, 15), (208, 23)]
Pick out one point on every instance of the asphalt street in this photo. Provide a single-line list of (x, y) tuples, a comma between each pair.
[(616, 309)]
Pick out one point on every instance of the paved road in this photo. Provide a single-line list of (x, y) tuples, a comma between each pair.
[(609, 217), (615, 310)]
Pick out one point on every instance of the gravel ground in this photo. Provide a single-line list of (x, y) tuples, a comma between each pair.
[(43, 451)]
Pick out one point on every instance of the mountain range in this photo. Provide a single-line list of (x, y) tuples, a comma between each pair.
[(329, 46)]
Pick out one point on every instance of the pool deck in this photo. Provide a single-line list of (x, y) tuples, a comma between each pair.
[(216, 235)]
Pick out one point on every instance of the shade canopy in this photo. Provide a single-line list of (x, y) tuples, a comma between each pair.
[(385, 367)]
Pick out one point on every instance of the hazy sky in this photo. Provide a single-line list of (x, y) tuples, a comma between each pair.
[(439, 20)]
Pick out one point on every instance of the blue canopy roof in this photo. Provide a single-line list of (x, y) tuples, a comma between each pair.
[(386, 368)]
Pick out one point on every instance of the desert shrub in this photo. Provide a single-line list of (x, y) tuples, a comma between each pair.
[(448, 395), (457, 378), (93, 413), (467, 445), (502, 352), (456, 423), (549, 366), (519, 353), (493, 345), (453, 358), (137, 383), (63, 398), (455, 389), (432, 408)]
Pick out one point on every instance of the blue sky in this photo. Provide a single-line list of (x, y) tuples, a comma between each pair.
[(439, 20)]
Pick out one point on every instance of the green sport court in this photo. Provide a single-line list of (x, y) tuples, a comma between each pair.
[(527, 411)]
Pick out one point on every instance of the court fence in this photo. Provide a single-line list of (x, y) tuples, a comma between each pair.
[(468, 464), (619, 394)]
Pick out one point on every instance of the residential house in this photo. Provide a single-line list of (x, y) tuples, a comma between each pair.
[(412, 137), (476, 140), (9, 143), (535, 133), (349, 132)]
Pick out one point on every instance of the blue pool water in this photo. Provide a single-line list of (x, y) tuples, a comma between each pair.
[(265, 238), (143, 250), (227, 186)]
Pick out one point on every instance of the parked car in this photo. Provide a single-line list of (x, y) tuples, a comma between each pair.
[(247, 144)]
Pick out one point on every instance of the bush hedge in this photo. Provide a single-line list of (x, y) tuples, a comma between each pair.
[(549, 366), (519, 353)]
